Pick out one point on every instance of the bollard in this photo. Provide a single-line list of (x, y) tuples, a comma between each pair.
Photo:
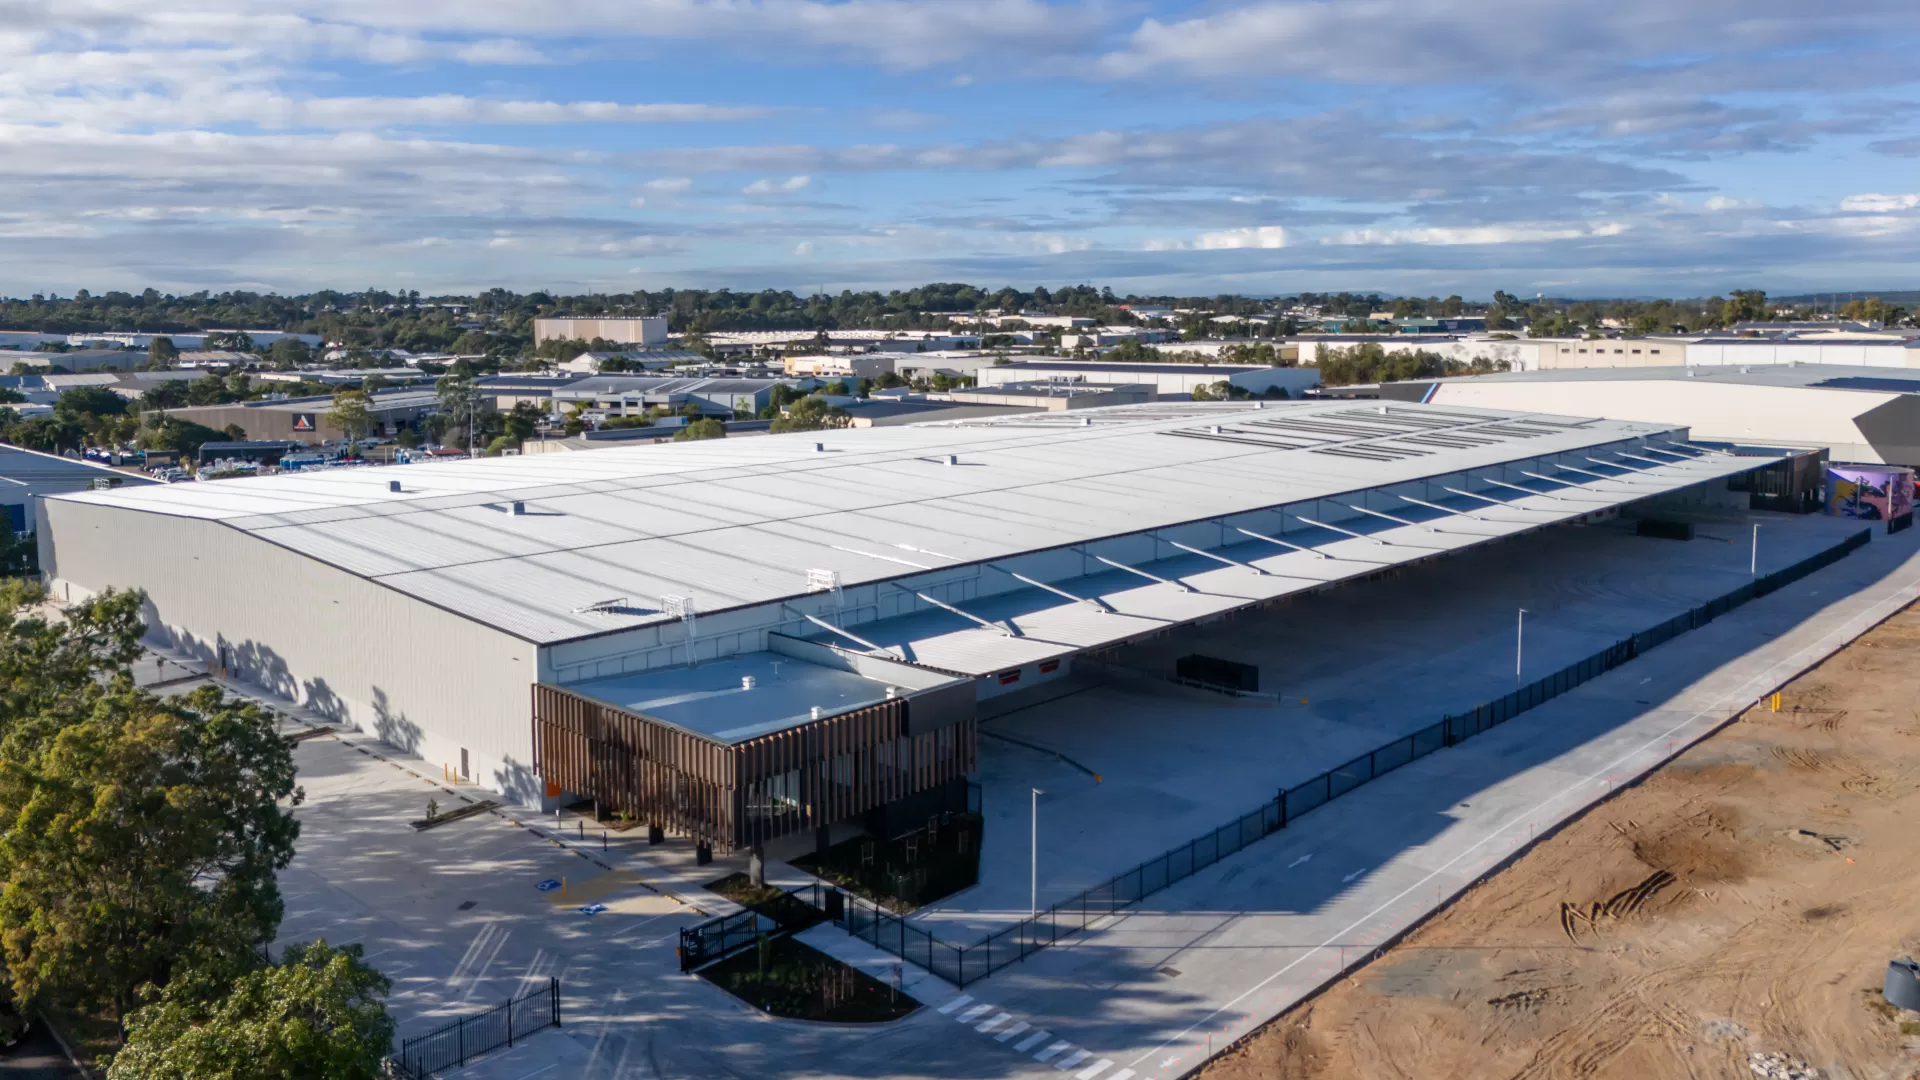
[(603, 839), (563, 888)]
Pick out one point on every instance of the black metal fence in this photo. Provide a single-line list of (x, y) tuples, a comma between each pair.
[(715, 938), (459, 1042), (962, 964)]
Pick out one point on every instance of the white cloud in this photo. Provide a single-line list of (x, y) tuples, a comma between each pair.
[(1722, 202), (777, 187), (1879, 204), (1257, 236), (1439, 41), (1482, 234), (803, 248), (273, 111), (669, 185)]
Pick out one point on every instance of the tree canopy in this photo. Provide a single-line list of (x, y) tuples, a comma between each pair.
[(811, 414), (318, 1013)]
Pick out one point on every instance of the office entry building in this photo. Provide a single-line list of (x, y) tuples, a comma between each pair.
[(743, 639)]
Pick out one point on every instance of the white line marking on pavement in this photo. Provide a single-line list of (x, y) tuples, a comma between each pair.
[(1742, 694), (541, 1069), (972, 1014), (1300, 860), (1012, 1031), (1349, 878), (1032, 1041), (993, 1022), (1068, 1062), (1123, 1074), (947, 1009), (1094, 1069), (1052, 1051)]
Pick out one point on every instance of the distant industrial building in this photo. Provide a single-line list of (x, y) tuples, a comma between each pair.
[(1166, 380), (1052, 396), (26, 475), (305, 419), (629, 395), (620, 329), (739, 640), (844, 365), (1861, 414)]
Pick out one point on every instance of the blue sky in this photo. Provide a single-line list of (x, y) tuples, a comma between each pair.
[(1634, 147)]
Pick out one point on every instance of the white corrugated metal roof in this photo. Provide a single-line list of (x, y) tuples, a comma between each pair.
[(742, 522), (1048, 626)]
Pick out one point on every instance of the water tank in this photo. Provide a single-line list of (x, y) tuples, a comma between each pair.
[(1903, 984)]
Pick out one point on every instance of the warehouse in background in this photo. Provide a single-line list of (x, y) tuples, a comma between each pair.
[(621, 330)]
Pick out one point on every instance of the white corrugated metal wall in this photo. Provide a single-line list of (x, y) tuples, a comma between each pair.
[(421, 678)]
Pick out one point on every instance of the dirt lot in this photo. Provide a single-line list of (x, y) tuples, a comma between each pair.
[(1743, 900)]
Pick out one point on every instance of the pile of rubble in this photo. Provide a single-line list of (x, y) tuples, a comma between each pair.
[(1781, 1067)]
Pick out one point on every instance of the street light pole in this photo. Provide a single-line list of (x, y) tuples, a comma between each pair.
[(1033, 895), (1519, 640), (1753, 564)]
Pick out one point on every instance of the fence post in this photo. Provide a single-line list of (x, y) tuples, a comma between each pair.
[(509, 1021), (463, 1043), (553, 985)]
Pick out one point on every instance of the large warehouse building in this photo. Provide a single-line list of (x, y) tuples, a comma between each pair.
[(740, 640)]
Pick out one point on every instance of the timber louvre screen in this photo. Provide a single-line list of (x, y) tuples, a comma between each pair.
[(734, 795)]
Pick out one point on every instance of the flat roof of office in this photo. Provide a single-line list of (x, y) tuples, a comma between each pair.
[(712, 698), (742, 522)]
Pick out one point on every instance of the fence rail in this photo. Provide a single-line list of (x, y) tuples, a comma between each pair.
[(962, 964), (457, 1043)]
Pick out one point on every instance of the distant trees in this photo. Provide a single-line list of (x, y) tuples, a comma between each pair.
[(288, 353), (1746, 305), (811, 414), (1874, 309), (161, 354), (1368, 362), (707, 428)]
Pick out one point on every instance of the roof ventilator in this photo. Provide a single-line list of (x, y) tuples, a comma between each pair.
[(953, 459), (519, 509), (393, 486)]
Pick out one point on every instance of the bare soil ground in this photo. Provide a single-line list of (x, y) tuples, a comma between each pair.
[(1743, 900)]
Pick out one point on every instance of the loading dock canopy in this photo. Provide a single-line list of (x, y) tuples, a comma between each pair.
[(1032, 624)]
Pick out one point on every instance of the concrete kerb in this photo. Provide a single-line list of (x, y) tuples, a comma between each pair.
[(1618, 780), (60, 1040)]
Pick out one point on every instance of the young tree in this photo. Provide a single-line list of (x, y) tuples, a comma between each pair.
[(162, 354), (319, 1012), (351, 415)]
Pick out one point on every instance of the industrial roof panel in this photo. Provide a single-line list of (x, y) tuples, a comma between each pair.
[(740, 522)]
